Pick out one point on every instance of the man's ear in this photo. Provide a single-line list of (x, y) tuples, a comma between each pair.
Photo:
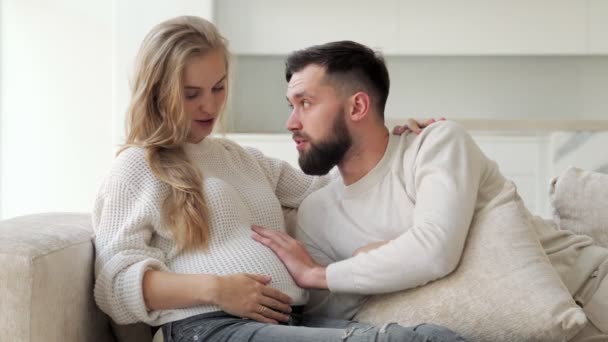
[(359, 106)]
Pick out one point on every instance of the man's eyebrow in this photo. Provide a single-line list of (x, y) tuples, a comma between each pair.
[(300, 95)]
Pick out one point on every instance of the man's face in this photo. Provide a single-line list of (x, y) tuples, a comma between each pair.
[(317, 120)]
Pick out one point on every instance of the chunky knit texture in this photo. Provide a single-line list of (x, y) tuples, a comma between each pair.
[(242, 187)]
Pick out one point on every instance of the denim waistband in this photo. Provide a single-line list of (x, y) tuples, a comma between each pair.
[(295, 310)]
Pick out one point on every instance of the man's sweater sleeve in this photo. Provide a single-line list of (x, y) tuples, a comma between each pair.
[(447, 173)]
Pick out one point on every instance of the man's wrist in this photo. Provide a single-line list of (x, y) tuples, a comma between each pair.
[(316, 278)]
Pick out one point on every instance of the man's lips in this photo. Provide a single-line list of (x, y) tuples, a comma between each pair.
[(300, 143)]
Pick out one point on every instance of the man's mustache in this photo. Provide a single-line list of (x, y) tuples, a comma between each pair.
[(300, 135)]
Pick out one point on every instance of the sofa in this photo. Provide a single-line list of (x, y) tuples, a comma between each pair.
[(47, 277)]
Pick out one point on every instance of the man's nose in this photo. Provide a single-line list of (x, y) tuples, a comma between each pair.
[(293, 122)]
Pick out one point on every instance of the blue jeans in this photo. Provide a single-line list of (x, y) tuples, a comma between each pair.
[(220, 326)]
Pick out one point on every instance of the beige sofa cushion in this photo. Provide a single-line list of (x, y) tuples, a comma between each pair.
[(580, 203), (46, 279), (504, 289)]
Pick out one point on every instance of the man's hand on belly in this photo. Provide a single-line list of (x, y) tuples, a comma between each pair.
[(304, 270)]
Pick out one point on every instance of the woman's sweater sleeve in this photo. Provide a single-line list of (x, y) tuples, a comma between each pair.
[(446, 171), (122, 220)]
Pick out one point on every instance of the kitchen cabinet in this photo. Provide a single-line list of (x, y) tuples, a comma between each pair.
[(417, 27)]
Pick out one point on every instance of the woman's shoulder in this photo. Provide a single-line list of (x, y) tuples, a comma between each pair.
[(237, 151), (130, 161), (131, 167), (228, 145)]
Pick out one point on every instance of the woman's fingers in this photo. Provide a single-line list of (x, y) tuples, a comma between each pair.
[(264, 279), (275, 305), (261, 318), (276, 295), (272, 314)]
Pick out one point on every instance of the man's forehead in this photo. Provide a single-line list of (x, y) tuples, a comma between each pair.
[(311, 75)]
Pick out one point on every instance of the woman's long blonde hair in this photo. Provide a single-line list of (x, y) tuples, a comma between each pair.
[(157, 121)]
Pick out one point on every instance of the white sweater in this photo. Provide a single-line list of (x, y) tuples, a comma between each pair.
[(241, 187), (421, 196)]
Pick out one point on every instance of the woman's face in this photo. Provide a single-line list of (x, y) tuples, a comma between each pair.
[(204, 92)]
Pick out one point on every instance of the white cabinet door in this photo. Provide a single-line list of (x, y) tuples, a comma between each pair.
[(598, 26), (522, 158), (429, 27), (488, 27), (258, 27)]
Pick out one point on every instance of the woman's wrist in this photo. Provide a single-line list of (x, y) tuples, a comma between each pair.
[(207, 288)]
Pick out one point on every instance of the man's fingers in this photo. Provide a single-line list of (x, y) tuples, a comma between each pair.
[(278, 237), (268, 242)]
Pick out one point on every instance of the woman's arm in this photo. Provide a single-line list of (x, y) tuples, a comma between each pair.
[(241, 295), (165, 290)]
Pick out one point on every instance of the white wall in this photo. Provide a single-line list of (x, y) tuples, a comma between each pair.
[(63, 93), (133, 19), (56, 104), (457, 87), (419, 27)]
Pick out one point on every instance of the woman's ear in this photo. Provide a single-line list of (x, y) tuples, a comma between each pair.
[(359, 106)]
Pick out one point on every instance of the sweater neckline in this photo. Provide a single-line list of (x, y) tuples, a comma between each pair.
[(199, 148), (375, 174)]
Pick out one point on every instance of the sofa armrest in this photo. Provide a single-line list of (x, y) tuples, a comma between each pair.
[(46, 280)]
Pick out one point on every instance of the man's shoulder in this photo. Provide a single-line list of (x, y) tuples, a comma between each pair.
[(444, 131), (433, 138)]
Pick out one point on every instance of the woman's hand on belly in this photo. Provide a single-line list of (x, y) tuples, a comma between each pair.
[(249, 296)]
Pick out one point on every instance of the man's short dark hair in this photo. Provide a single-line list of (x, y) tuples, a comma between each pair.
[(350, 65)]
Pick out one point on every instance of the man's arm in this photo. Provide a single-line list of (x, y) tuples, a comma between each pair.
[(447, 174)]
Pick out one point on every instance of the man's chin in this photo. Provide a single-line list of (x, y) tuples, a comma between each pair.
[(314, 170)]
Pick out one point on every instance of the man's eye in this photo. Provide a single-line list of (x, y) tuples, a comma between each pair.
[(305, 103)]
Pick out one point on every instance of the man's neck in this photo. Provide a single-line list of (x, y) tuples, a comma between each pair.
[(366, 152)]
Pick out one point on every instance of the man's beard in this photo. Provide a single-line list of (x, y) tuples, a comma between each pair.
[(321, 157)]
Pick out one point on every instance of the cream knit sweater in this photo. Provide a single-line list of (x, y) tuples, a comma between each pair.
[(421, 196), (242, 187)]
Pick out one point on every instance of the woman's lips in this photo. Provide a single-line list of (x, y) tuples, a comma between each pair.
[(205, 123)]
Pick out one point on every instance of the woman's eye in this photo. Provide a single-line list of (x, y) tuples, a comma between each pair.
[(191, 96), (218, 89)]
